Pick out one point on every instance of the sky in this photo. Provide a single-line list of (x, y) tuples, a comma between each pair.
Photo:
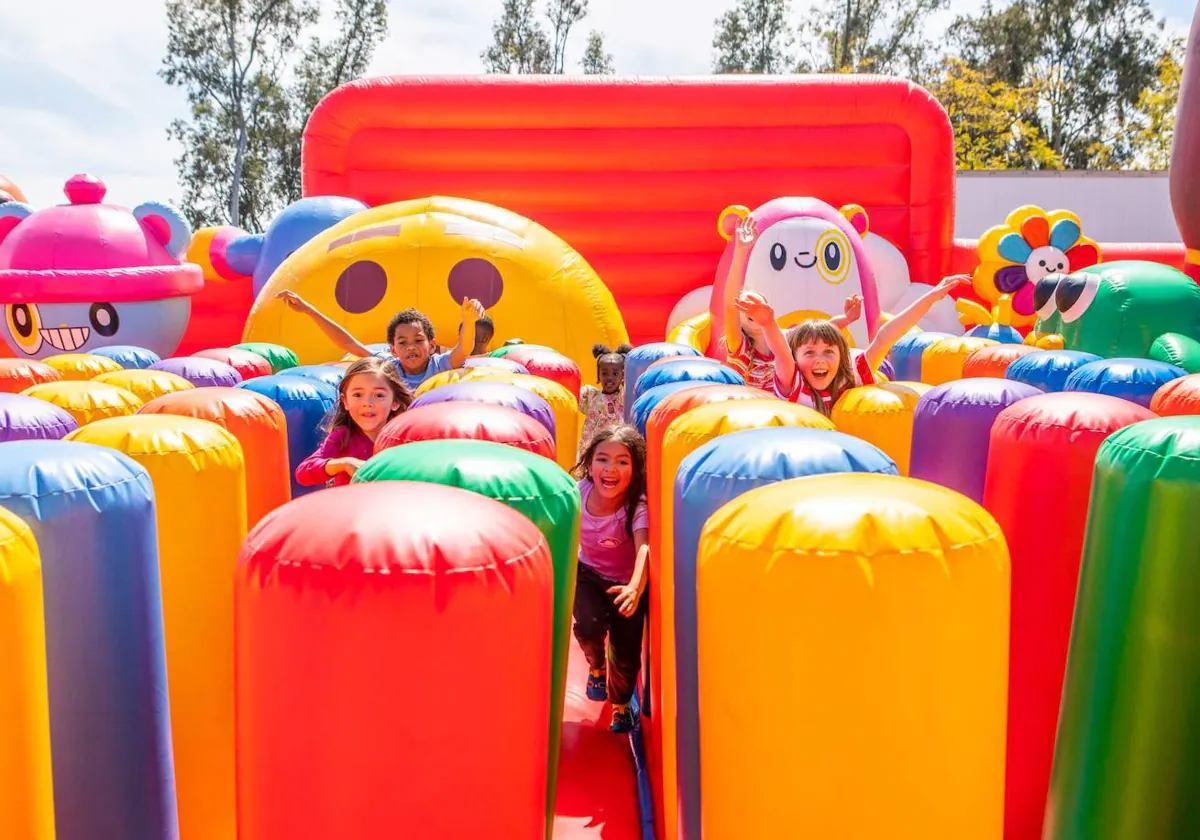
[(80, 91)]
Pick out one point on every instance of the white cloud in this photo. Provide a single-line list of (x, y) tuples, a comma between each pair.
[(81, 90)]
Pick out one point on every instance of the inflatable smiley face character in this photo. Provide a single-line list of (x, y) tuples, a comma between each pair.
[(430, 254), (88, 274), (806, 259)]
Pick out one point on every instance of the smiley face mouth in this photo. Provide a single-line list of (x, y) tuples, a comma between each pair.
[(796, 259), (66, 339)]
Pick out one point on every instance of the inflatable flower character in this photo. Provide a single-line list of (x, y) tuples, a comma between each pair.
[(1014, 256), (10, 191), (87, 274)]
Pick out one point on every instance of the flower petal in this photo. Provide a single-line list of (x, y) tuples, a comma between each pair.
[(1036, 231), (1064, 234), (1014, 248), (1083, 255)]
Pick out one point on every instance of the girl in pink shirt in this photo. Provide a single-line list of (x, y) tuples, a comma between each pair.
[(370, 394), (613, 553)]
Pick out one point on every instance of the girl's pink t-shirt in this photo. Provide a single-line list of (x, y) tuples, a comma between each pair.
[(605, 545), (343, 442)]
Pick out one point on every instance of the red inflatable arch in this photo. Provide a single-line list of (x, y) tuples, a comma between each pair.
[(634, 172)]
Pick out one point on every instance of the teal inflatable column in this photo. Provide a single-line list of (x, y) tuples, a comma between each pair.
[(535, 487), (1127, 756)]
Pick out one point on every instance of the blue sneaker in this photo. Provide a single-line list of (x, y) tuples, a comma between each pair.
[(597, 686), (622, 719)]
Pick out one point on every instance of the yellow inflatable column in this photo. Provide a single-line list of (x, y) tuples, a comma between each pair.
[(882, 415), (80, 367), (26, 792), (87, 401), (943, 361), (853, 660), (685, 435), (199, 479)]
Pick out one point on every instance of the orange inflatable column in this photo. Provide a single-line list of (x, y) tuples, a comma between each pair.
[(852, 655), (683, 436), (1039, 475), (259, 426), (393, 667)]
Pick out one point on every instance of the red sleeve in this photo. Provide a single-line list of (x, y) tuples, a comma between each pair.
[(796, 392), (740, 359), (866, 376), (311, 471)]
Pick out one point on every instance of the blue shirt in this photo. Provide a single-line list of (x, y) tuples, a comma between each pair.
[(438, 363)]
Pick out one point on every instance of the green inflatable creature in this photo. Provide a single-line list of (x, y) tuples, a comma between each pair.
[(1129, 309)]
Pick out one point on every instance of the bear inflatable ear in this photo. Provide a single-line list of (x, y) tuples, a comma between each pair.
[(243, 252), (167, 225), (857, 217), (12, 213), (730, 218)]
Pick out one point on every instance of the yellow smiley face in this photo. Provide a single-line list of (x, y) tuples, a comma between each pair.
[(429, 254)]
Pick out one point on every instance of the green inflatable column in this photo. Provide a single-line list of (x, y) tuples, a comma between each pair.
[(534, 486), (280, 357), (1127, 756), (501, 352)]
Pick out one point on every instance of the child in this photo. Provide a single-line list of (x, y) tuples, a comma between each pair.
[(613, 555), (815, 367), (410, 335), (745, 344), (604, 406), (485, 331), (370, 394)]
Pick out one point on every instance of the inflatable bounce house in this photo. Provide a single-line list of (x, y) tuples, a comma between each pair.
[(291, 547)]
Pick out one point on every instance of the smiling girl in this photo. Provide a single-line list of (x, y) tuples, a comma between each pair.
[(815, 366), (370, 394), (613, 553)]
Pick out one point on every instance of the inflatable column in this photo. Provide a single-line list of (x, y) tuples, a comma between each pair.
[(492, 393), (91, 511), (200, 492), (26, 794), (683, 437), (852, 665), (639, 359), (393, 667), (534, 487), (27, 418), (1127, 758), (305, 403), (1038, 476), (494, 423), (87, 401), (1185, 154), (882, 415), (683, 370), (717, 473)]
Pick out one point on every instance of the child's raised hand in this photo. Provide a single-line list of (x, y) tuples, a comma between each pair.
[(755, 307), (951, 283), (625, 598), (853, 308), (472, 311), (294, 301), (747, 232)]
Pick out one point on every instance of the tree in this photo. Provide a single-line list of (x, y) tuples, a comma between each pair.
[(869, 36), (233, 58), (988, 117), (1157, 104), (596, 62), (1089, 60), (754, 36), (521, 45)]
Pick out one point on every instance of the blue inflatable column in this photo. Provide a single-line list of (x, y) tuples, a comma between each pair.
[(640, 358), (305, 402), (713, 475), (91, 510)]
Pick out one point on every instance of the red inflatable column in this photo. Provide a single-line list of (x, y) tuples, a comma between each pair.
[(1039, 476), (393, 667)]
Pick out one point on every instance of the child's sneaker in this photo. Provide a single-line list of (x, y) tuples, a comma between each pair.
[(622, 719), (597, 686)]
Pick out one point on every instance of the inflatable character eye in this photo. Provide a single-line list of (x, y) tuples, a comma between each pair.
[(778, 256), (104, 318), (1075, 294), (360, 287), (24, 323), (833, 257), (1043, 295)]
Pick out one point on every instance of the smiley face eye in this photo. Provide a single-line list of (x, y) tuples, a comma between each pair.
[(833, 257), (360, 287), (778, 256), (1075, 294), (475, 278), (24, 323), (104, 319)]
